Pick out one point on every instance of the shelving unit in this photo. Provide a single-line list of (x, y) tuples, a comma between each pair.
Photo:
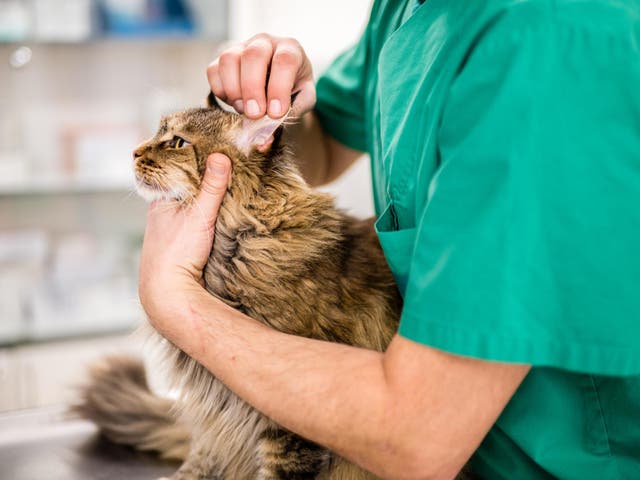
[(65, 172), (53, 92), (57, 312), (71, 225)]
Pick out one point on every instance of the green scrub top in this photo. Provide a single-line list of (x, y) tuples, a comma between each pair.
[(505, 147)]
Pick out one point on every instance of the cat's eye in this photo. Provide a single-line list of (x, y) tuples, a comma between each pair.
[(177, 142)]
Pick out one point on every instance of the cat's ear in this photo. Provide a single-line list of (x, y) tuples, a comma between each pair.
[(257, 134), (215, 102), (212, 101), (260, 133), (252, 134)]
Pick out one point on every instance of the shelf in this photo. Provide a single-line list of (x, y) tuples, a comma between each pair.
[(66, 186), (80, 22), (115, 39), (71, 332)]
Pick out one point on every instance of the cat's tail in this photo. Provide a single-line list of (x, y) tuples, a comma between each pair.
[(117, 398)]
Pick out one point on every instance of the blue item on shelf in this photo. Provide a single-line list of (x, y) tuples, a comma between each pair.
[(144, 18)]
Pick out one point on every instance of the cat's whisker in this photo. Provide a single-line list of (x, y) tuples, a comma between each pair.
[(129, 195)]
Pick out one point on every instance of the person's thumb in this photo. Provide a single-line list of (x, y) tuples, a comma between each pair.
[(214, 185)]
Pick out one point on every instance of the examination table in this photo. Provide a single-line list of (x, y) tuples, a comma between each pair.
[(43, 444)]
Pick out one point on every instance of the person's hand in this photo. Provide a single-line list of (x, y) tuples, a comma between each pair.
[(177, 243), (259, 76)]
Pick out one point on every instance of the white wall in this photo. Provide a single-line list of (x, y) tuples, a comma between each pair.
[(323, 28)]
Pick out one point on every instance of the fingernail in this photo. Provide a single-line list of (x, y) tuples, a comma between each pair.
[(275, 107), (252, 107), (218, 166), (238, 105)]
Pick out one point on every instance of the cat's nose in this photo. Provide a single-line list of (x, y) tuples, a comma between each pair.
[(137, 153)]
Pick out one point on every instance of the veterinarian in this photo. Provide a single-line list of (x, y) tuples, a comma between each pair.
[(505, 147)]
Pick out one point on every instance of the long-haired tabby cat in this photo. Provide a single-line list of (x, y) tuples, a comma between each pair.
[(284, 255)]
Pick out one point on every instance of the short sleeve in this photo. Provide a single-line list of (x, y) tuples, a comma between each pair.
[(528, 247), (340, 94)]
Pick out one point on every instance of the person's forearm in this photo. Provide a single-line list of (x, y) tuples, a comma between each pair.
[(321, 159), (413, 412), (311, 387)]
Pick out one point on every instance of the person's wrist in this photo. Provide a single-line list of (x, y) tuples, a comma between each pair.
[(194, 316), (167, 303)]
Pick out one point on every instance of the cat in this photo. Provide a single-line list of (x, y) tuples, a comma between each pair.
[(282, 254)]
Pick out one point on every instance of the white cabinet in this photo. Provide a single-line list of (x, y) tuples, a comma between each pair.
[(45, 374), (9, 389)]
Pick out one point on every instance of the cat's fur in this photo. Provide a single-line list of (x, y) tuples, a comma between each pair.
[(284, 255)]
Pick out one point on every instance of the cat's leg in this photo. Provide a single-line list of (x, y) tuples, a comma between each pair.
[(283, 455), (197, 466)]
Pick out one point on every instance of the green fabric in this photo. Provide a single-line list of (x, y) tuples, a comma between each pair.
[(505, 145)]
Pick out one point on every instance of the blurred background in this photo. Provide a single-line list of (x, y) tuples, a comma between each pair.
[(82, 82)]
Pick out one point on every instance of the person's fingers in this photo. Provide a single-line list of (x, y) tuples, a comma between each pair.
[(215, 82), (286, 66), (254, 64), (260, 76), (306, 98), (214, 186), (229, 71)]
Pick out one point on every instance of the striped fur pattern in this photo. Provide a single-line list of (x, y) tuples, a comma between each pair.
[(284, 255)]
